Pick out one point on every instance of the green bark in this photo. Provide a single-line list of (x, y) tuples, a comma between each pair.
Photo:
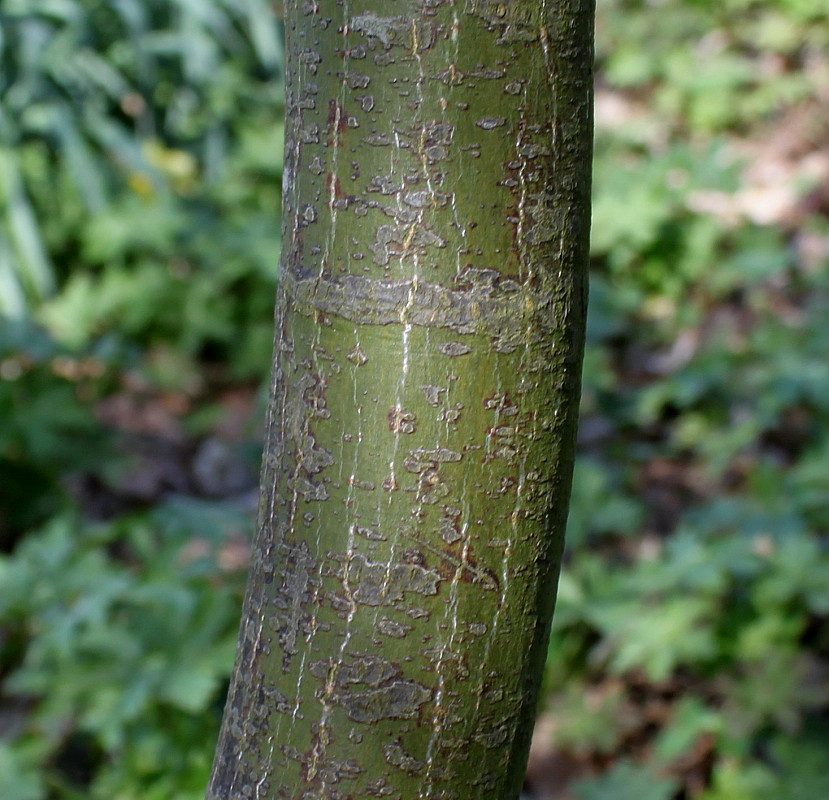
[(417, 468)]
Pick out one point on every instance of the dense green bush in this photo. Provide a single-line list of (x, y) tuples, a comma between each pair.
[(125, 632), (129, 133), (691, 632), (140, 147)]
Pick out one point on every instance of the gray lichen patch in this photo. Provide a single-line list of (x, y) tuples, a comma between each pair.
[(493, 738), (328, 771), (433, 393), (423, 459), (455, 349), (412, 34), (356, 80), (401, 420), (399, 700), (398, 757), (299, 579), (397, 240), (490, 123), (314, 458), (374, 583), (371, 671), (513, 22), (369, 688), (367, 532), (357, 356), (448, 530), (392, 628), (384, 184), (544, 220), (456, 662), (311, 492)]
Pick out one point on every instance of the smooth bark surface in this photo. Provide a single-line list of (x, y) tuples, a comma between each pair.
[(417, 469)]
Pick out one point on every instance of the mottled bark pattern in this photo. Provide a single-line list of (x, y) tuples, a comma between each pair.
[(429, 323)]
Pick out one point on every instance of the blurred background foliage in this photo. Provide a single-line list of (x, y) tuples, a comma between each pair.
[(140, 148)]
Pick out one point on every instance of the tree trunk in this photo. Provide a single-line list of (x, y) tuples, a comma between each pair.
[(429, 331)]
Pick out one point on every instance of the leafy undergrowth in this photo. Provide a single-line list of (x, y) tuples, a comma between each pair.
[(690, 652), (126, 631)]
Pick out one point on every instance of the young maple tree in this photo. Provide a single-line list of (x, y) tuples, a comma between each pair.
[(429, 332)]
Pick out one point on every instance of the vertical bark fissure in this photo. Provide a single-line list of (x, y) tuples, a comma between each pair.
[(428, 336)]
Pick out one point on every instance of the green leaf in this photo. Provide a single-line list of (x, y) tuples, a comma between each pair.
[(690, 719), (19, 778), (659, 637), (625, 781), (735, 780)]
